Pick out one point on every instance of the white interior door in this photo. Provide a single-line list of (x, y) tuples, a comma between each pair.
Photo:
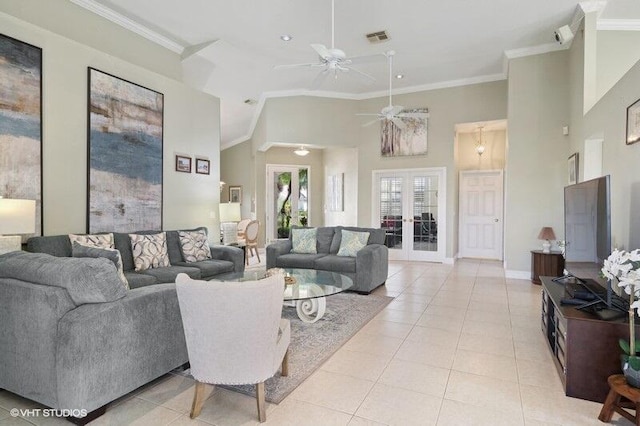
[(410, 206), (481, 214)]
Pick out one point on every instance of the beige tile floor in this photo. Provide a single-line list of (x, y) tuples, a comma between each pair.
[(459, 345)]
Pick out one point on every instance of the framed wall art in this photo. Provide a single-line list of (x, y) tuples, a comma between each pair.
[(633, 123), (125, 136), (410, 140), (235, 194), (183, 164), (202, 166), (572, 169), (21, 123)]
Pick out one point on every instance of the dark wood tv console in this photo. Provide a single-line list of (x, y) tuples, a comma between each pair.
[(585, 349)]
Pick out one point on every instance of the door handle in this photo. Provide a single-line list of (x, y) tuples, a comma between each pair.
[(495, 220)]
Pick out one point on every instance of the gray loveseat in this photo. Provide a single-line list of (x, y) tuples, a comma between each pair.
[(73, 337), (224, 258), (368, 269)]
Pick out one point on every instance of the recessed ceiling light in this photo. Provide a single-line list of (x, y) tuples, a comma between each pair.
[(399, 76), (285, 37)]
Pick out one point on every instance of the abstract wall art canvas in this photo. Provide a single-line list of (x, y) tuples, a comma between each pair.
[(412, 140), (21, 122), (125, 134)]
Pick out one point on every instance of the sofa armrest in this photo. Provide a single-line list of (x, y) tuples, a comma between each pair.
[(106, 350), (277, 249), (372, 267), (29, 316), (232, 254)]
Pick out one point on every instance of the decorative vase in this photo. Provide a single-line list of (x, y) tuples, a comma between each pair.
[(632, 376)]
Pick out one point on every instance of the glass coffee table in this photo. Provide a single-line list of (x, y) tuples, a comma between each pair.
[(308, 293)]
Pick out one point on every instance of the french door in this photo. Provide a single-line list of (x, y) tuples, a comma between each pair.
[(287, 199), (480, 231), (410, 206)]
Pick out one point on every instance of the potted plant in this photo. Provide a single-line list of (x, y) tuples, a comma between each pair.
[(624, 267)]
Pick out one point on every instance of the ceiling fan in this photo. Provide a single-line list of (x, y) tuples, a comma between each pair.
[(333, 60), (390, 112)]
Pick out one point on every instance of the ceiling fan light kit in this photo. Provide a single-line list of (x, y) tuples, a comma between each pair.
[(302, 151)]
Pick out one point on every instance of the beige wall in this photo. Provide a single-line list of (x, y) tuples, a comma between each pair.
[(191, 125), (345, 161), (617, 52), (494, 154), (237, 168), (79, 24), (536, 153)]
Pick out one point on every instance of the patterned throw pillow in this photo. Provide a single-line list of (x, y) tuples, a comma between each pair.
[(97, 240), (195, 246), (149, 251), (80, 250), (303, 240), (352, 242)]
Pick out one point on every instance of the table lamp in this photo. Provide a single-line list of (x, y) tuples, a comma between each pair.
[(230, 215), (16, 217), (546, 234)]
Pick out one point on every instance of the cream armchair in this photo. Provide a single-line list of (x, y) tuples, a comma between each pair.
[(235, 333)]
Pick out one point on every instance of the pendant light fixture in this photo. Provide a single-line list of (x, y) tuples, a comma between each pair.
[(302, 151)]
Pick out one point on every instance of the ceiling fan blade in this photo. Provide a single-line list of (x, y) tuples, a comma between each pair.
[(321, 50), (413, 115), (370, 114), (319, 79), (368, 79), (399, 123), (369, 123), (366, 59), (282, 67)]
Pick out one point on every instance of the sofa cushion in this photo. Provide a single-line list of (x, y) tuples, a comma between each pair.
[(138, 279), (168, 274), (80, 250), (86, 280), (303, 240), (149, 251), (336, 263), (293, 260), (55, 245), (376, 236), (194, 245), (324, 237), (96, 240), (352, 242), (210, 267)]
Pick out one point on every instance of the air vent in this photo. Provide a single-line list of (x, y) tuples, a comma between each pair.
[(377, 37), (250, 101)]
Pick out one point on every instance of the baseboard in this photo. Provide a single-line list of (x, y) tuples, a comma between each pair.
[(517, 275), (449, 260)]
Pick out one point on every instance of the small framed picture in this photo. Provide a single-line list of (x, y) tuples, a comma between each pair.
[(202, 166), (183, 164), (633, 123), (572, 168), (235, 194)]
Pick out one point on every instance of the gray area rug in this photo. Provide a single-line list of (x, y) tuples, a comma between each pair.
[(312, 344)]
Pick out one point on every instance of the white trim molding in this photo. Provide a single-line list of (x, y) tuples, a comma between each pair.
[(618, 25), (129, 24)]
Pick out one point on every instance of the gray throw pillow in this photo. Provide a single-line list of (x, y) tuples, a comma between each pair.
[(80, 250)]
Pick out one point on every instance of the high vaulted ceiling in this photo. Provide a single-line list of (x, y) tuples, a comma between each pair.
[(229, 48)]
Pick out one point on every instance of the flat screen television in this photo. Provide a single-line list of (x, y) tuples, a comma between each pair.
[(587, 230)]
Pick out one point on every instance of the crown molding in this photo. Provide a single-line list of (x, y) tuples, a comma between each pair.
[(129, 24), (535, 50), (618, 25), (355, 97)]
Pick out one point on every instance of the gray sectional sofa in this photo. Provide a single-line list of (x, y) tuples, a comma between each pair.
[(73, 337), (368, 269), (224, 258)]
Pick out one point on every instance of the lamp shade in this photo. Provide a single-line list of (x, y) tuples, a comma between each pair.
[(230, 212), (546, 233), (17, 216)]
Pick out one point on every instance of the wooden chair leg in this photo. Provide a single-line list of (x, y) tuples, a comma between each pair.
[(246, 255), (257, 254), (198, 399), (285, 364), (262, 412)]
